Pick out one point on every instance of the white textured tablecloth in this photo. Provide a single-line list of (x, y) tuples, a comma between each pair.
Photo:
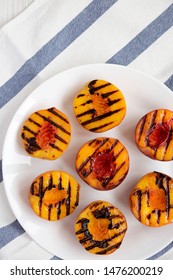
[(54, 35)]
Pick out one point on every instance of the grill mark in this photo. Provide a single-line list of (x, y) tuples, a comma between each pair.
[(31, 145), (115, 226), (50, 183), (88, 159), (92, 141), (102, 213), (159, 180), (138, 194), (99, 243), (158, 213), (151, 125), (49, 211), (88, 112), (68, 199), (84, 229), (116, 246), (77, 196), (81, 95), (167, 194), (95, 204), (147, 197), (119, 153), (53, 123), (162, 181), (36, 123), (41, 193), (32, 188), (112, 102), (107, 94), (93, 89), (168, 141), (60, 139), (87, 102), (52, 110), (56, 147), (98, 118), (101, 126), (141, 128), (58, 206), (29, 130), (60, 187)]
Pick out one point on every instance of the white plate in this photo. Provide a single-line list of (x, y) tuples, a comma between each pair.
[(142, 94)]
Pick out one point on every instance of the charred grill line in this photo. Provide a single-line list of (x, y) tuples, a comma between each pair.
[(113, 225), (49, 211), (87, 102), (98, 118), (159, 179), (162, 181), (93, 89), (101, 244), (168, 141), (36, 123), (102, 213), (166, 189), (60, 139), (41, 193), (32, 188), (88, 159), (151, 125), (60, 187), (81, 95), (112, 102), (141, 128), (32, 144), (147, 197), (107, 94), (29, 130), (88, 112), (68, 199), (95, 204), (77, 196), (84, 229), (58, 206), (101, 126), (50, 184), (53, 123), (56, 147), (157, 214), (138, 194), (119, 153), (116, 246), (52, 110)]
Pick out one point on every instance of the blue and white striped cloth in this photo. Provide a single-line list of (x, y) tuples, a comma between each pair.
[(53, 35)]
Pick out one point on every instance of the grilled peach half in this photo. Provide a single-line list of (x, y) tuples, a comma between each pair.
[(151, 200), (103, 163), (54, 195), (99, 106), (100, 228), (46, 134), (154, 135)]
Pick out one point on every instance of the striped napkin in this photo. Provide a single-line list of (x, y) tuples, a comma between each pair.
[(53, 35)]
